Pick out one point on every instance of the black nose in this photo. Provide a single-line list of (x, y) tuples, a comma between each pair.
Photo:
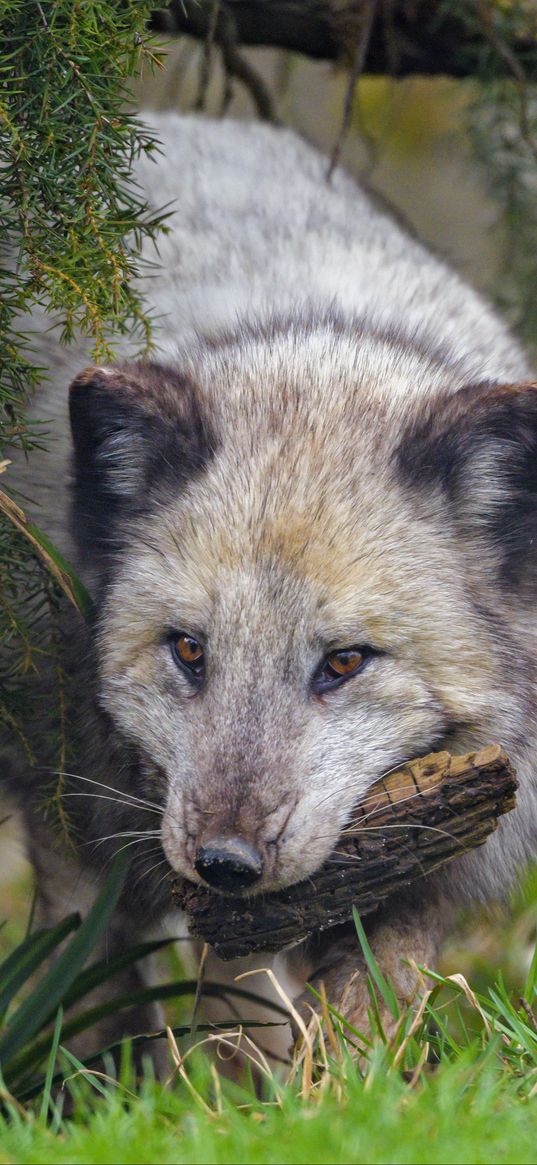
[(228, 863)]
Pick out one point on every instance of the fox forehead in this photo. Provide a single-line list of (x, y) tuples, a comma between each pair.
[(268, 612), (302, 473), (332, 546), (299, 517)]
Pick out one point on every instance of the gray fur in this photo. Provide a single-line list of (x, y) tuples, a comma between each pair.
[(279, 486)]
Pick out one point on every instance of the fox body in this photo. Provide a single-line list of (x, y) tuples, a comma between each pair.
[(309, 528)]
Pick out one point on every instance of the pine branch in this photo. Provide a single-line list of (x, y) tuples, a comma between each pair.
[(71, 223), (71, 228)]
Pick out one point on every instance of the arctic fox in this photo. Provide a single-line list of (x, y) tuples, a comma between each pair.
[(309, 528)]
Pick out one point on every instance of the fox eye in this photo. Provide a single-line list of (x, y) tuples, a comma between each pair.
[(338, 667), (188, 653)]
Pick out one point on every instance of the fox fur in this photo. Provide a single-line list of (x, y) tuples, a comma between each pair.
[(335, 445)]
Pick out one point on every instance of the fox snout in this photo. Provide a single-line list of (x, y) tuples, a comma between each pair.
[(235, 848), (229, 864)]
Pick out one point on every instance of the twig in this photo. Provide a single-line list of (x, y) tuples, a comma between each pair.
[(208, 45), (370, 10), (515, 67)]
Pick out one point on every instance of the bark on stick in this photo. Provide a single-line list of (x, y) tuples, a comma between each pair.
[(413, 821)]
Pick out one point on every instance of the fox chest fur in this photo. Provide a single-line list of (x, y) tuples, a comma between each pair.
[(309, 527)]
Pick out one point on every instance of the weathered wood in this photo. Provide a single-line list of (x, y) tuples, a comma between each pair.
[(421, 816)]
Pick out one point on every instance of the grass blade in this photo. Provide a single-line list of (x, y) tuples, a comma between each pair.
[(531, 981), (385, 990), (29, 955), (42, 1003), (28, 1090), (46, 1099), (36, 1051), (54, 561), (103, 970)]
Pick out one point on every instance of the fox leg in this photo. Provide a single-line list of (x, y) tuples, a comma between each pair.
[(402, 936)]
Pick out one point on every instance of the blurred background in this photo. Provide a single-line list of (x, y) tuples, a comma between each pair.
[(407, 139)]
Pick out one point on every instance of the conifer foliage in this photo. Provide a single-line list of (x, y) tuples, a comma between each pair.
[(71, 226)]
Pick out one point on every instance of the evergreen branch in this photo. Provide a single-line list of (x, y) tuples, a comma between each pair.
[(72, 225)]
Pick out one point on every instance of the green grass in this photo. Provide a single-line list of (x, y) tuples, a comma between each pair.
[(460, 1086), (468, 1111), (475, 1105)]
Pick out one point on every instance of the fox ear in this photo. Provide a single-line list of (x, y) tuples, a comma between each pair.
[(479, 446), (132, 428)]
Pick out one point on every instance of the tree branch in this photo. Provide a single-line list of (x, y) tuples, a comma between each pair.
[(408, 37)]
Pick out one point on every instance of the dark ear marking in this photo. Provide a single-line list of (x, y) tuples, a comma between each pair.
[(479, 447), (134, 428)]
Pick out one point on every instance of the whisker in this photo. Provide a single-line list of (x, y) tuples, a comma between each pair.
[(383, 828), (376, 808), (156, 849), (111, 789), (161, 880), (130, 833), (393, 769), (145, 858), (323, 799), (116, 800), (146, 873), (139, 834), (386, 773), (358, 826), (116, 852), (136, 841)]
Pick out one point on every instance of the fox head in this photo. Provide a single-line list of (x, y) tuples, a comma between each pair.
[(313, 556)]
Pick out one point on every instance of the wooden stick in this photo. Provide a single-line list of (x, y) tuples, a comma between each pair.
[(421, 816)]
